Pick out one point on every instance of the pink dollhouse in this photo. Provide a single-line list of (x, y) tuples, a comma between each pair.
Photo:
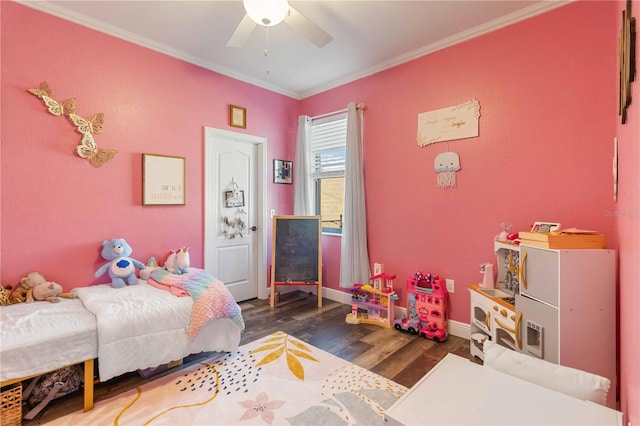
[(428, 302), (376, 300)]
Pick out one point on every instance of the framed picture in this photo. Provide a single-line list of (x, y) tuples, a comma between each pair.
[(627, 59), (237, 116), (234, 200), (545, 227), (282, 171), (163, 180)]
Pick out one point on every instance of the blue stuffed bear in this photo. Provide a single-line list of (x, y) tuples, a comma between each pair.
[(121, 267)]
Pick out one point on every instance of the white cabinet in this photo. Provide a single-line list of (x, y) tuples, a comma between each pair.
[(568, 308), (459, 392)]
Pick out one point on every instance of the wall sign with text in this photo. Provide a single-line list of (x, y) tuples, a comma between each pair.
[(163, 180), (446, 124)]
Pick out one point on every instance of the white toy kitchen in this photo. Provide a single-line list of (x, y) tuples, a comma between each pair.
[(555, 304)]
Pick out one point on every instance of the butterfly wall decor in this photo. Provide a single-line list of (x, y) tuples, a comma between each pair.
[(56, 108), (93, 125), (87, 147), (43, 90)]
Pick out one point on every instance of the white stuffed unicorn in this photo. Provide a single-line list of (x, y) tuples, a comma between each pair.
[(177, 262)]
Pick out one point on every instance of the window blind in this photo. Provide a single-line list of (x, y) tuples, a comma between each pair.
[(328, 146)]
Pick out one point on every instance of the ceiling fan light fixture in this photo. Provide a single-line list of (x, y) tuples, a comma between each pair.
[(266, 12)]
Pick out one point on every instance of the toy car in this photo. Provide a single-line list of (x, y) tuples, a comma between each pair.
[(404, 324), (431, 331)]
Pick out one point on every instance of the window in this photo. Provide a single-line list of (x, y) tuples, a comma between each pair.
[(328, 149)]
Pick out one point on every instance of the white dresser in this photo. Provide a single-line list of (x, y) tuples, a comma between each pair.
[(459, 392)]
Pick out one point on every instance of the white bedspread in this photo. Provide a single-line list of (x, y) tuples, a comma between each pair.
[(39, 337), (140, 326)]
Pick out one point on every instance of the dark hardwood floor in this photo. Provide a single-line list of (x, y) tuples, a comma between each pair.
[(398, 356)]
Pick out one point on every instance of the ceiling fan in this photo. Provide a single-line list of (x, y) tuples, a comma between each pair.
[(268, 13)]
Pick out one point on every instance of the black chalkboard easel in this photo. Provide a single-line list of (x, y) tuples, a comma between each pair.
[(296, 253)]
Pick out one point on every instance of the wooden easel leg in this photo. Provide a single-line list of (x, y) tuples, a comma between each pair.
[(319, 295), (272, 297)]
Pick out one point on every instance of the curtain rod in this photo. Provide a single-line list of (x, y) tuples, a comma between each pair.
[(342, 111)]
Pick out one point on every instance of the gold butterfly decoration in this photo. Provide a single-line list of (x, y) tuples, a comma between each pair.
[(87, 147), (59, 108), (56, 108), (43, 90), (93, 125)]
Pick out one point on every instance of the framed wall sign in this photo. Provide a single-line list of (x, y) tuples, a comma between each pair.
[(447, 124), (163, 180), (282, 171), (627, 58), (237, 116)]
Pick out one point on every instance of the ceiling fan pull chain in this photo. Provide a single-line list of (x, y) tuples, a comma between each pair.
[(266, 48)]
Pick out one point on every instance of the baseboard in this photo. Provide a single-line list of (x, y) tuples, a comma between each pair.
[(456, 328), (336, 295), (460, 329)]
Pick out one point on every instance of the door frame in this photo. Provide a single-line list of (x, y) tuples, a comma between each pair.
[(210, 134)]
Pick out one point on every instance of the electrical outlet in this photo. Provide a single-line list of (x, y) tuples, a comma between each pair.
[(450, 285), (273, 213)]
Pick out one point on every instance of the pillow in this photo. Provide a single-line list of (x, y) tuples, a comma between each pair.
[(570, 381)]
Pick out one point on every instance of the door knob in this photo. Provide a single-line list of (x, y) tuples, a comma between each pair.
[(253, 228)]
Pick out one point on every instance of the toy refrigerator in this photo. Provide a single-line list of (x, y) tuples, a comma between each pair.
[(566, 309)]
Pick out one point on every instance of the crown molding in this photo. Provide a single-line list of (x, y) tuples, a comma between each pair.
[(94, 24)]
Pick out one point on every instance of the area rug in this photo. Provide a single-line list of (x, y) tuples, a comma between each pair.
[(277, 380)]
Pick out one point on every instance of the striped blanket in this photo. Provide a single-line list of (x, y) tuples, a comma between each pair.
[(211, 299)]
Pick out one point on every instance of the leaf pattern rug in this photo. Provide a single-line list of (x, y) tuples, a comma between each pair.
[(277, 380)]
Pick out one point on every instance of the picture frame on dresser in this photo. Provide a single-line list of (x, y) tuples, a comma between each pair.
[(545, 227)]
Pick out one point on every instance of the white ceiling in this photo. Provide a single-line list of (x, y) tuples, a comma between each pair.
[(368, 36)]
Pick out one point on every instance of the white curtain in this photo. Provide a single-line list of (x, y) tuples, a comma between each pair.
[(303, 199), (354, 259)]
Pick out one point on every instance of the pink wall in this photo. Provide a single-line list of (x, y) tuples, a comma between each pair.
[(547, 89), (57, 209), (627, 217), (549, 106), (540, 154)]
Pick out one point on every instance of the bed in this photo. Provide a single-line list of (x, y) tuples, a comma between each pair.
[(36, 338), (126, 329), (141, 326)]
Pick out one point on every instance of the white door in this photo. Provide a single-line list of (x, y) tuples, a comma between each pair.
[(235, 212)]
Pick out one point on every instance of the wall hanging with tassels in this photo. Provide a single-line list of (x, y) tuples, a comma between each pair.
[(446, 165)]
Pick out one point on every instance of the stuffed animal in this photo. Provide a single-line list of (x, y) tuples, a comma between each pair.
[(7, 297), (121, 267), (39, 289), (18, 293), (178, 262)]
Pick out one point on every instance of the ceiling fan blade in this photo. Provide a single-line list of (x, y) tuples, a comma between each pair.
[(242, 32), (311, 31)]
